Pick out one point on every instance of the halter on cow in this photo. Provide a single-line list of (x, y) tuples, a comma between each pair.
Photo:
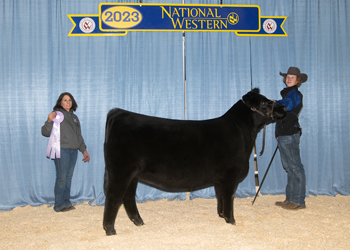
[(268, 114)]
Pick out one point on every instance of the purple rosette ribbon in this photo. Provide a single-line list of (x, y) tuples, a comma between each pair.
[(54, 143)]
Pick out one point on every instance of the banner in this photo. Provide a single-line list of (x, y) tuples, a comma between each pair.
[(119, 18)]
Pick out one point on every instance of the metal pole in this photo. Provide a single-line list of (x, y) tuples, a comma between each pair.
[(254, 147), (256, 168), (265, 175), (184, 73), (188, 193), (184, 70)]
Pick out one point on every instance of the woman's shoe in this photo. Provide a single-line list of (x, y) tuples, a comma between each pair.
[(292, 206), (64, 210)]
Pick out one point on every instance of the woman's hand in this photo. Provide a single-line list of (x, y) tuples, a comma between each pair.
[(86, 156), (52, 116)]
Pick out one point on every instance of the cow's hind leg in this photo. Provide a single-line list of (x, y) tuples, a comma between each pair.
[(115, 190), (112, 206), (130, 204)]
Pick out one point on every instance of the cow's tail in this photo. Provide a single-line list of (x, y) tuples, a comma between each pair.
[(109, 122), (105, 183), (109, 125)]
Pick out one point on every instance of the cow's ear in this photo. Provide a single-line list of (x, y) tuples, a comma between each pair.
[(256, 90)]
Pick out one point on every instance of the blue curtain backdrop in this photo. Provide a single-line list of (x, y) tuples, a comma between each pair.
[(143, 72)]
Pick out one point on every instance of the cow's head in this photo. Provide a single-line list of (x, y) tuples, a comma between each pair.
[(266, 108)]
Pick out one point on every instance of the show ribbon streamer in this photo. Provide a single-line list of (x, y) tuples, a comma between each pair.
[(54, 143)]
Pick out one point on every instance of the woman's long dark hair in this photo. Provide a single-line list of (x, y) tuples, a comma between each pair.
[(59, 100)]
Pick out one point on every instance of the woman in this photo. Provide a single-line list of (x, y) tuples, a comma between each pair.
[(70, 141), (288, 134)]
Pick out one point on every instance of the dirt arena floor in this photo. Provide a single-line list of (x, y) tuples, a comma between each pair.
[(324, 224)]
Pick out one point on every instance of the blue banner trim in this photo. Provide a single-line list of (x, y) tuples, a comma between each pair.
[(94, 24), (115, 19), (272, 27)]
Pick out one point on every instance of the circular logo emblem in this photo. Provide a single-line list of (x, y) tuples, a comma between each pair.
[(87, 25), (269, 26), (233, 18)]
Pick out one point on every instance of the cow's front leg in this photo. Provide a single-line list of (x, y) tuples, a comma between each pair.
[(228, 209), (229, 191), (220, 207)]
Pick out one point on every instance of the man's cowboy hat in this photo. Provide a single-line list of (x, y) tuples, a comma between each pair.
[(295, 71)]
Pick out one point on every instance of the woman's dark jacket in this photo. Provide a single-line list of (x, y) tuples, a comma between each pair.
[(289, 125)]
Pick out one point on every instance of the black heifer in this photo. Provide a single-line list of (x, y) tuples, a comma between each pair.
[(176, 154)]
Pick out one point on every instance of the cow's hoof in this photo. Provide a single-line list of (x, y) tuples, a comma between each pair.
[(111, 232), (231, 221), (221, 215), (138, 222)]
